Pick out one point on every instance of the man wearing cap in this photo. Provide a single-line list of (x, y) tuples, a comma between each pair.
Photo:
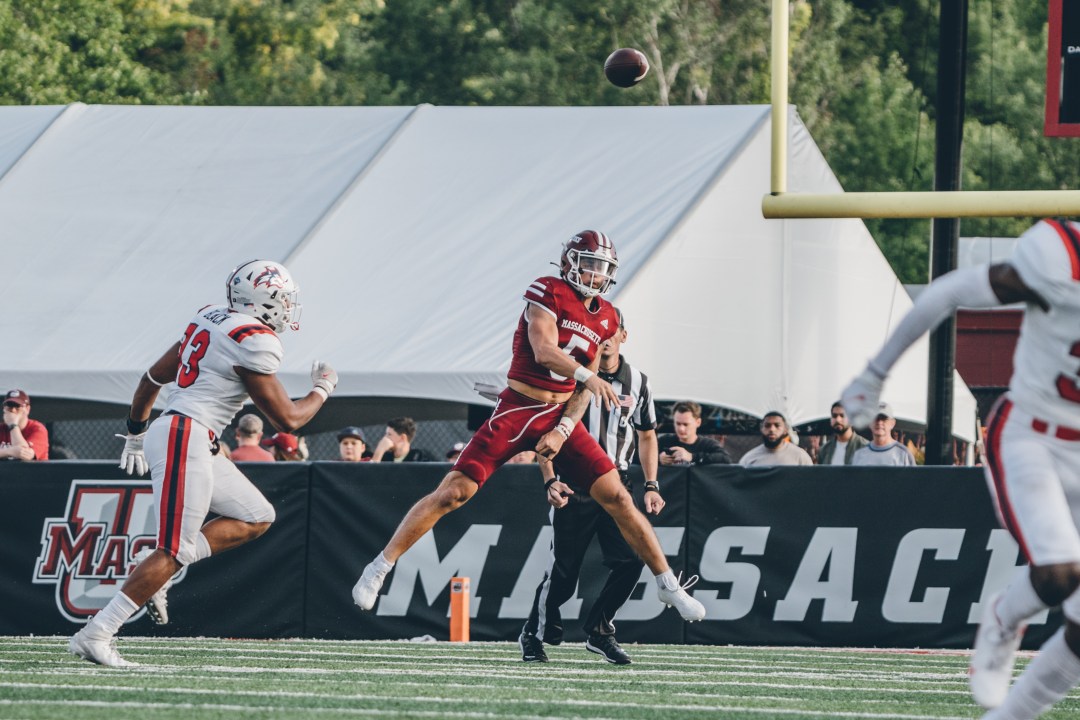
[(20, 437), (883, 450), (249, 431), (454, 451), (776, 447), (352, 446)]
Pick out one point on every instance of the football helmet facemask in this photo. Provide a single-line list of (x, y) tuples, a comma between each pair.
[(589, 252), (266, 291)]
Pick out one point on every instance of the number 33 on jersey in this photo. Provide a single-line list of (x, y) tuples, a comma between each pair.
[(216, 341)]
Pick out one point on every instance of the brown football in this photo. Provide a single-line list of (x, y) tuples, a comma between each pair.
[(626, 67)]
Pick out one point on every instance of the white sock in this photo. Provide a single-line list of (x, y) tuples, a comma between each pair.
[(1046, 680), (666, 580), (202, 548), (382, 564), (1019, 602), (107, 622)]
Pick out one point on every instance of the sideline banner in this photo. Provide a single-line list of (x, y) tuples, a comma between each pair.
[(500, 540), (885, 557), (70, 531)]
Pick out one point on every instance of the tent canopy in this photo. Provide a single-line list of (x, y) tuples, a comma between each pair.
[(413, 232)]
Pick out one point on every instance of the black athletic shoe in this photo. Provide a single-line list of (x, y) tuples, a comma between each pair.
[(607, 646), (532, 650)]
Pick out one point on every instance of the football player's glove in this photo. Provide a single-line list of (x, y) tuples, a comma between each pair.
[(132, 459), (324, 377), (861, 398)]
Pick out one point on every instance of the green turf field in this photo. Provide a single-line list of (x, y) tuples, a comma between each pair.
[(212, 678)]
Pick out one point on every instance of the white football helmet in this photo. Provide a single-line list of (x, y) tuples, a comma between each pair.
[(266, 291)]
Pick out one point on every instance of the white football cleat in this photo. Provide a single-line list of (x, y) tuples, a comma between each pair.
[(157, 607), (366, 589), (677, 597), (992, 658), (97, 650)]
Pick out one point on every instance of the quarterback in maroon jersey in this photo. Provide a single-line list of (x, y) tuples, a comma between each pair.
[(552, 379)]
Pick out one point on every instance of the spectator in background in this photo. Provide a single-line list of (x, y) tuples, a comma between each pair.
[(686, 447), (845, 441), (883, 449), (352, 445), (249, 432), (287, 447), (396, 443), (20, 437), (776, 447), (454, 451)]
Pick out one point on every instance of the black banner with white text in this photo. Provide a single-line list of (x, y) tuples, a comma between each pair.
[(882, 557)]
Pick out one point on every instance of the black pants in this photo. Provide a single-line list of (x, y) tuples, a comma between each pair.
[(575, 525)]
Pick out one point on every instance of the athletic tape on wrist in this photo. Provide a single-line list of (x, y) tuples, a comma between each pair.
[(583, 373)]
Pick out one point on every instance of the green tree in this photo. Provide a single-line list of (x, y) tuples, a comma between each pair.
[(63, 51)]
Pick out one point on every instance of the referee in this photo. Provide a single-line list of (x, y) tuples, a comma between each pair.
[(582, 517)]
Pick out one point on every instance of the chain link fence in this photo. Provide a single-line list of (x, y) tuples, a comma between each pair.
[(96, 439)]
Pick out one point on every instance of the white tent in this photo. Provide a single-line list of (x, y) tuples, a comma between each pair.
[(413, 233)]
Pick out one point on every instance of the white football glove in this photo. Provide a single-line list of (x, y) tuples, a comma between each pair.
[(324, 377), (860, 399), (132, 459)]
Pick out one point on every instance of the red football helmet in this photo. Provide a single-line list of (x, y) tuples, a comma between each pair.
[(592, 252)]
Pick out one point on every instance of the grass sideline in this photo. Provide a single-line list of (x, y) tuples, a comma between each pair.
[(215, 678)]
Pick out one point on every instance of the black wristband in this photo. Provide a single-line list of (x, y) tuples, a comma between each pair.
[(137, 427), (547, 485), (653, 486), (12, 426)]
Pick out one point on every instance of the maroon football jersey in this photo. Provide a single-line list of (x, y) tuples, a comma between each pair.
[(581, 332)]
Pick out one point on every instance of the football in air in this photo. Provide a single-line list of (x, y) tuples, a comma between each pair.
[(626, 67)]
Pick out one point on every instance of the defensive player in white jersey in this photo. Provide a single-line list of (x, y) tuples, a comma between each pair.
[(227, 354), (1033, 454)]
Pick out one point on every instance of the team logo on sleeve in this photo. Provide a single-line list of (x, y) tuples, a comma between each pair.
[(88, 553)]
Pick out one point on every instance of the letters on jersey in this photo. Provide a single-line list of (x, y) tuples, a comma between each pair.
[(581, 332), (1046, 368), (216, 341)]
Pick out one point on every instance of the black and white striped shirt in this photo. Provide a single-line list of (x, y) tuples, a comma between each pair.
[(616, 429)]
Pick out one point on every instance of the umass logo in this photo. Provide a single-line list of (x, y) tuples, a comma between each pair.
[(89, 552)]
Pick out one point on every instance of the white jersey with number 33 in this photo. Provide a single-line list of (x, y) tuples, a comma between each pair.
[(1046, 366), (208, 389)]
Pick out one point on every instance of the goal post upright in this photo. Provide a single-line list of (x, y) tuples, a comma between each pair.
[(780, 204)]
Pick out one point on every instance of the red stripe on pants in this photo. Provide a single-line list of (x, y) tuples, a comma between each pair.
[(172, 488), (998, 416)]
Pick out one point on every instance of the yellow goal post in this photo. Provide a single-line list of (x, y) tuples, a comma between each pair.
[(780, 204)]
